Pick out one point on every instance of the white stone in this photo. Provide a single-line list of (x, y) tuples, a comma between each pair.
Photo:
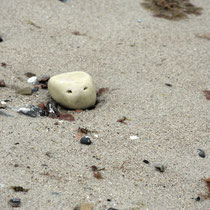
[(134, 137), (74, 90), (32, 80)]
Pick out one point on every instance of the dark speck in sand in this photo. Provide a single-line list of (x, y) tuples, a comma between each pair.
[(167, 84), (146, 161), (198, 198), (201, 153), (3, 64)]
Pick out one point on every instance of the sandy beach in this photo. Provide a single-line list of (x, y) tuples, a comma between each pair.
[(155, 70)]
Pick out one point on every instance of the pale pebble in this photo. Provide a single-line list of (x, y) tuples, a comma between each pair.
[(74, 90)]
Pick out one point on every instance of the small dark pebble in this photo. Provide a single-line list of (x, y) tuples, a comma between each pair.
[(63, 0), (112, 209), (85, 140), (1, 40), (198, 198), (2, 83), (29, 74), (109, 200), (16, 165), (4, 65), (15, 202), (167, 84), (146, 161), (159, 167), (201, 153), (94, 168)]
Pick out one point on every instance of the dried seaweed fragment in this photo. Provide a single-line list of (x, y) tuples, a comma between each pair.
[(171, 9), (96, 172)]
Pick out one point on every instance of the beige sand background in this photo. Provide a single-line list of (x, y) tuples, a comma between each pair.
[(134, 60)]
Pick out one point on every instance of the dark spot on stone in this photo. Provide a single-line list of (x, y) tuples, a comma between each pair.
[(109, 200), (69, 91), (1, 40)]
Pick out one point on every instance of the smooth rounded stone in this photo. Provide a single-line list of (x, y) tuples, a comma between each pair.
[(85, 140), (74, 90)]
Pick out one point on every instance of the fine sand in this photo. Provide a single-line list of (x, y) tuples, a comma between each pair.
[(134, 60)]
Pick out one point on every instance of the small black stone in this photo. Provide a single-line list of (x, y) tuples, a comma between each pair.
[(85, 140), (109, 200), (112, 209), (159, 167), (15, 202), (146, 161), (167, 84), (198, 198), (201, 153), (1, 40)]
